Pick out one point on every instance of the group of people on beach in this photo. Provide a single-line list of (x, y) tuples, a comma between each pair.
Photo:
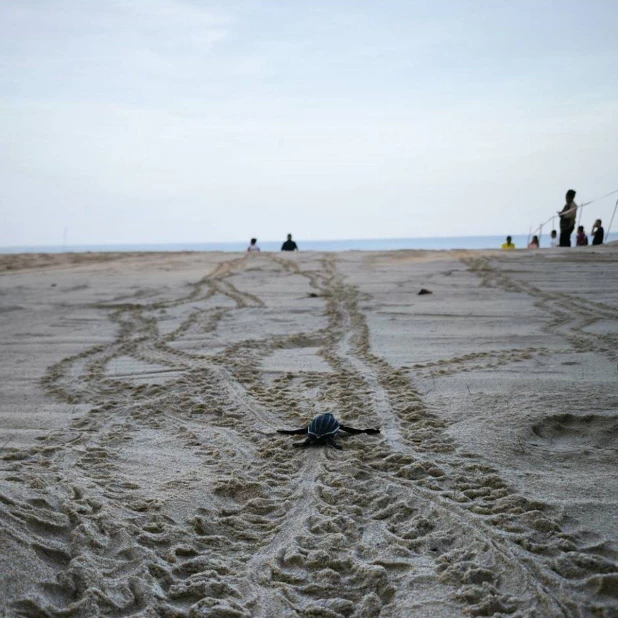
[(567, 216), (288, 245), (567, 226)]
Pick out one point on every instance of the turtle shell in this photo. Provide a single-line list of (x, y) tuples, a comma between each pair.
[(323, 425)]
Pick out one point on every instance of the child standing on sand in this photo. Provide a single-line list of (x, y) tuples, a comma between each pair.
[(554, 239), (253, 245), (582, 239), (597, 232), (508, 244)]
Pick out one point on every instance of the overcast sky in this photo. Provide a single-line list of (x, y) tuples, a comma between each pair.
[(186, 120)]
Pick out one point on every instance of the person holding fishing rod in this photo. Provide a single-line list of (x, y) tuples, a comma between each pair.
[(567, 219)]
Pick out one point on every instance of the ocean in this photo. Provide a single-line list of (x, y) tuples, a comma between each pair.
[(361, 244)]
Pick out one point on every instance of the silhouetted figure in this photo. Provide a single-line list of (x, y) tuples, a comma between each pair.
[(289, 244), (253, 246), (581, 239), (597, 232), (567, 219)]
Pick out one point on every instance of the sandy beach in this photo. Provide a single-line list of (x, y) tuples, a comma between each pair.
[(141, 473)]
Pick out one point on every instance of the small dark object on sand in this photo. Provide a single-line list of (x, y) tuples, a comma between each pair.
[(424, 291), (316, 295), (322, 430)]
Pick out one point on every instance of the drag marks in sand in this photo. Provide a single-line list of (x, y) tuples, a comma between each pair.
[(570, 316), (173, 496), (475, 361)]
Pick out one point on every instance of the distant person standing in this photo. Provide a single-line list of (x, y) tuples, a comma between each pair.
[(581, 239), (597, 232), (554, 239), (289, 244), (253, 246), (567, 219), (508, 244), (534, 243)]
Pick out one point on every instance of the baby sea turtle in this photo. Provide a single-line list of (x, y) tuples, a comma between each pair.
[(322, 430)]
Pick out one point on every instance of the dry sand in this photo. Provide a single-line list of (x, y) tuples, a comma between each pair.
[(141, 475)]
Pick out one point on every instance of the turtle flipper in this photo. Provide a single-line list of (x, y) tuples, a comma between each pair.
[(293, 432), (352, 430), (304, 444), (331, 442)]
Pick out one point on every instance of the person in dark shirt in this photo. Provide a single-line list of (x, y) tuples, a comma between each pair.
[(289, 244), (597, 232), (567, 219)]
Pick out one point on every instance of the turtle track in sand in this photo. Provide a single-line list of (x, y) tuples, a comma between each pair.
[(570, 315), (398, 525)]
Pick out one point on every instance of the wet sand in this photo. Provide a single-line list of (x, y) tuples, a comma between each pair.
[(141, 475)]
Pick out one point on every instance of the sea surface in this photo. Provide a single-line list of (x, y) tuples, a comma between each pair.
[(362, 244)]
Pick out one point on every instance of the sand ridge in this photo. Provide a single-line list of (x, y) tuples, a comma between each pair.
[(174, 496)]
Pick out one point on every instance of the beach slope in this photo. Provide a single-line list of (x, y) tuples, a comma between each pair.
[(141, 473)]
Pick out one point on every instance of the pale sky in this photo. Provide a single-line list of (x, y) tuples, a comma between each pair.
[(135, 121)]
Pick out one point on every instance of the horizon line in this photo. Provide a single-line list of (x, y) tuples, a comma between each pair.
[(234, 242)]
